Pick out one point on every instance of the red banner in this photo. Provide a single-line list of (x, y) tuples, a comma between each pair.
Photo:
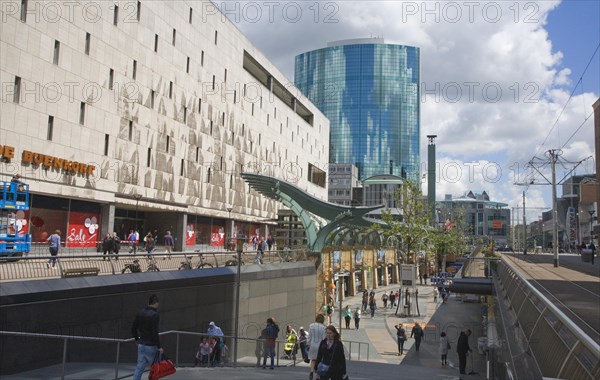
[(82, 231), (190, 235), (217, 236)]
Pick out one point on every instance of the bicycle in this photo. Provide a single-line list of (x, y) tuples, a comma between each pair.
[(152, 266), (135, 266), (187, 264), (233, 262)]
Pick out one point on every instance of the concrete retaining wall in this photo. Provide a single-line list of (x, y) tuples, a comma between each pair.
[(105, 306)]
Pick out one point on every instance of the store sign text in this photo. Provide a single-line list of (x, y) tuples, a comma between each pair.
[(48, 162)]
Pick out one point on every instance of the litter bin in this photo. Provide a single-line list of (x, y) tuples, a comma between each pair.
[(586, 255), (482, 345)]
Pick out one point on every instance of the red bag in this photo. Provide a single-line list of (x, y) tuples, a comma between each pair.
[(161, 367)]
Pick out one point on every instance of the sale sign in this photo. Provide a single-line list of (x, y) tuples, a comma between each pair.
[(217, 237), (82, 231)]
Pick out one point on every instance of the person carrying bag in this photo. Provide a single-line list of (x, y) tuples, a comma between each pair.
[(331, 361)]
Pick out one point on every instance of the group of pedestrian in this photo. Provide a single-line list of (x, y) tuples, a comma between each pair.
[(149, 242), (443, 293), (216, 344), (462, 346), (111, 244), (416, 333), (212, 348), (133, 239), (589, 246), (391, 299), (320, 345), (369, 301)]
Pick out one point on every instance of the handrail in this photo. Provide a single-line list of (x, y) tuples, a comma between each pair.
[(34, 266), (589, 343), (57, 336), (118, 342), (573, 350)]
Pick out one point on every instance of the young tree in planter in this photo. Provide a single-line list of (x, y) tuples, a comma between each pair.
[(449, 238), (412, 231)]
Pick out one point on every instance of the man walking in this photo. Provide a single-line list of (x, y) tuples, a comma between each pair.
[(169, 243), (462, 347), (417, 333), (54, 241), (145, 332), (401, 337)]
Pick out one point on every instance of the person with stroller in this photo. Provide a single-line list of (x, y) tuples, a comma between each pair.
[(291, 339)]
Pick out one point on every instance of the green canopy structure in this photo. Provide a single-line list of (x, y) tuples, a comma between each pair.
[(325, 223)]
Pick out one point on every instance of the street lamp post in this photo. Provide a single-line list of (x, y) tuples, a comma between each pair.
[(591, 212), (137, 198), (239, 248), (230, 229), (341, 276)]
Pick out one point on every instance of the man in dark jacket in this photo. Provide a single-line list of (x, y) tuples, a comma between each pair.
[(462, 347), (417, 333), (145, 332), (107, 245)]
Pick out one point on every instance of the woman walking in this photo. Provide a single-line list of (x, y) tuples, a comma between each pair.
[(372, 304), (331, 361), (401, 336), (347, 316), (444, 347)]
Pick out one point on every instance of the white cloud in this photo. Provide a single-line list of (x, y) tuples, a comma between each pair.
[(495, 88)]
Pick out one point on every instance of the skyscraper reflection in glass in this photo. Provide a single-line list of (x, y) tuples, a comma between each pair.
[(370, 92)]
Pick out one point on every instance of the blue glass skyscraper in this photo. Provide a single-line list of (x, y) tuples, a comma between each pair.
[(370, 92)]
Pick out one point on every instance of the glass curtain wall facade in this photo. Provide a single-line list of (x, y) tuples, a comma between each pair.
[(370, 92)]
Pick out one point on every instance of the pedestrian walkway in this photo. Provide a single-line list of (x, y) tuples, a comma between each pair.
[(451, 317)]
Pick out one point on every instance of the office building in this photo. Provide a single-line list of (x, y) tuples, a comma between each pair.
[(370, 91)]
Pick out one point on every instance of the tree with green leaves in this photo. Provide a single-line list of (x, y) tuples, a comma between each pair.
[(449, 238), (412, 231)]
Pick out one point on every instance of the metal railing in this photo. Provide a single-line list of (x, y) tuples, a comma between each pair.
[(40, 248), (39, 267), (179, 345), (561, 349)]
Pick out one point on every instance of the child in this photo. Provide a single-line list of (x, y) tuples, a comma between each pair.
[(203, 353)]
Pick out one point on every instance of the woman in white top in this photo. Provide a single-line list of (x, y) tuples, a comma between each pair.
[(444, 347), (316, 334)]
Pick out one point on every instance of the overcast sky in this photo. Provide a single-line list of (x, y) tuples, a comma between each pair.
[(495, 77)]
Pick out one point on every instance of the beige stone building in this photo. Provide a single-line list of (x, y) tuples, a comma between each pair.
[(142, 114)]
